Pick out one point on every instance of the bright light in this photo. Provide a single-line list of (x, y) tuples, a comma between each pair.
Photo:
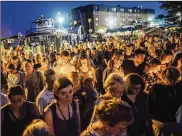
[(150, 18), (60, 19), (101, 31), (178, 14), (111, 22)]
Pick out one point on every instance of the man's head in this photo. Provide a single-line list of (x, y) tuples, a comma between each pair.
[(15, 61), (28, 66), (64, 57), (50, 77), (139, 56)]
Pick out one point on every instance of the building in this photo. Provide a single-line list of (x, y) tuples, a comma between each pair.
[(13, 41), (100, 18), (43, 31), (46, 33)]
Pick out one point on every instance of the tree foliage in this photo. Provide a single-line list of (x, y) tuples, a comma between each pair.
[(172, 7)]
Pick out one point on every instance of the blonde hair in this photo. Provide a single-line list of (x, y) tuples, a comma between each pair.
[(36, 128), (112, 81)]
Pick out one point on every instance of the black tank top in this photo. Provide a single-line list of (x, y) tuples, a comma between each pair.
[(61, 128), (16, 128)]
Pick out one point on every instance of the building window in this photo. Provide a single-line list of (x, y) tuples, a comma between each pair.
[(97, 19), (135, 11), (123, 19), (130, 10), (97, 24), (122, 10)]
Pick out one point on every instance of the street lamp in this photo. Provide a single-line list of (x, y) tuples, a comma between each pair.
[(60, 20)]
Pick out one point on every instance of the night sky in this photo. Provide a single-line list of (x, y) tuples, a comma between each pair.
[(18, 16)]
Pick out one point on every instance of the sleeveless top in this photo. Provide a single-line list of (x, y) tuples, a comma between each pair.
[(16, 128), (61, 128)]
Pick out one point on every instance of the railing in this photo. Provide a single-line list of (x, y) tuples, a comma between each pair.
[(38, 30)]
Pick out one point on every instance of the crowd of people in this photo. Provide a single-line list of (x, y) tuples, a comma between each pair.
[(110, 87)]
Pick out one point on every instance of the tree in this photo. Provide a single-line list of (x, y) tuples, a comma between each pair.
[(160, 16), (174, 9)]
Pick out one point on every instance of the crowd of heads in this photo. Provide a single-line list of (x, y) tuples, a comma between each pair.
[(105, 77)]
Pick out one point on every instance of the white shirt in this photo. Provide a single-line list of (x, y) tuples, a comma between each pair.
[(44, 98)]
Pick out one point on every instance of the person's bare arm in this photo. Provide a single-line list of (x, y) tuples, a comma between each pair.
[(49, 120), (94, 73)]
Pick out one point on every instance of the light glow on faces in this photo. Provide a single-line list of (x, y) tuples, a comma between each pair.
[(136, 89), (65, 95)]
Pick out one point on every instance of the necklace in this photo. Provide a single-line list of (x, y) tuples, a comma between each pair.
[(66, 121)]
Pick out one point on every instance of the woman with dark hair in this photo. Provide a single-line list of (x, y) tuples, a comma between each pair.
[(88, 52), (85, 69), (16, 115), (36, 128), (114, 65), (150, 73), (113, 118), (136, 98), (62, 116), (163, 102)]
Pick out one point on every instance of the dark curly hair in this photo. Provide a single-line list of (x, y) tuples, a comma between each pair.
[(113, 111)]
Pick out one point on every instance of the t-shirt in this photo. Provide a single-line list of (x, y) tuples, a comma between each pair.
[(129, 67)]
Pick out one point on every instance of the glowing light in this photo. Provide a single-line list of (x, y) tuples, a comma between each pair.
[(111, 22), (150, 19), (60, 19), (178, 14)]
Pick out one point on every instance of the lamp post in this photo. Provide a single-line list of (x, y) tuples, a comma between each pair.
[(60, 20)]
